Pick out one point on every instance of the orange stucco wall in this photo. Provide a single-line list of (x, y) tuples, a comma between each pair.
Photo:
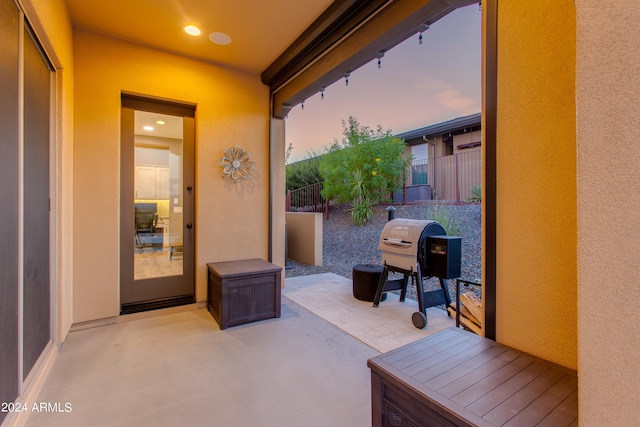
[(232, 108), (536, 179)]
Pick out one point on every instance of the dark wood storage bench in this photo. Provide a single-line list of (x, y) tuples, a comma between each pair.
[(457, 378), (243, 291)]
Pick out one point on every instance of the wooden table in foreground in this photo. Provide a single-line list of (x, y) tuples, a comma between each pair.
[(243, 291), (457, 378)]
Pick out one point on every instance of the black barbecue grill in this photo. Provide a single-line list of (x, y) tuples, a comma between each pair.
[(418, 249)]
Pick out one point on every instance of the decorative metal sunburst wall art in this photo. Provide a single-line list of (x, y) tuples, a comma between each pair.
[(236, 165)]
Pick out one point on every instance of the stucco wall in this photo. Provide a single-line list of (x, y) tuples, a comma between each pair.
[(304, 237), (232, 108), (278, 191), (536, 179), (608, 96)]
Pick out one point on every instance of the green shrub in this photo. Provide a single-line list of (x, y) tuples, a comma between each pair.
[(362, 211), (361, 201), (363, 169), (475, 194), (303, 173)]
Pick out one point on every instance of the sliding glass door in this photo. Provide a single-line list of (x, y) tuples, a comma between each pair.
[(36, 204), (9, 129), (25, 278)]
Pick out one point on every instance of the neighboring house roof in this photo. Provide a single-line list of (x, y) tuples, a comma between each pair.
[(469, 121)]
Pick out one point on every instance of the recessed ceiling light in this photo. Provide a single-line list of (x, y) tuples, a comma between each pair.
[(160, 122), (192, 30), (149, 128), (220, 38)]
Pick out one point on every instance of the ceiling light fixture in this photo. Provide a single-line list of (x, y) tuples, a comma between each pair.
[(160, 122), (192, 30), (148, 128), (220, 38)]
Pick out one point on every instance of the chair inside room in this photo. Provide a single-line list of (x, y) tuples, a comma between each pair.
[(145, 228)]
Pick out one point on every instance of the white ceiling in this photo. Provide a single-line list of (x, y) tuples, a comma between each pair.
[(260, 29), (172, 126)]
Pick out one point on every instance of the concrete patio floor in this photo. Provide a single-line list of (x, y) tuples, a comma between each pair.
[(181, 369)]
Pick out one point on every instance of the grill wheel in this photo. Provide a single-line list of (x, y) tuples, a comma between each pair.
[(419, 319)]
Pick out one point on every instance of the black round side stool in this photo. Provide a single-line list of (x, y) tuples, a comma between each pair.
[(365, 281)]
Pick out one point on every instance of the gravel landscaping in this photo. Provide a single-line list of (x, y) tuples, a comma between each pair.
[(346, 244)]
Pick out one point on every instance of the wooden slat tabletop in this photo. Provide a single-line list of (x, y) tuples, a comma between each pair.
[(482, 381)]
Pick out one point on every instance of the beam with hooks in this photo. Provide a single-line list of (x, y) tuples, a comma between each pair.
[(391, 23)]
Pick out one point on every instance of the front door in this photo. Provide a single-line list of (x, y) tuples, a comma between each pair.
[(157, 203)]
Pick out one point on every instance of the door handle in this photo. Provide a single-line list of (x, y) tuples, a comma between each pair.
[(189, 226)]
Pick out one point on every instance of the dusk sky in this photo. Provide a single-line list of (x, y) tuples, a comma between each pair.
[(416, 86)]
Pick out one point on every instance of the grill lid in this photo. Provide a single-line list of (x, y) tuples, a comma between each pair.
[(402, 236)]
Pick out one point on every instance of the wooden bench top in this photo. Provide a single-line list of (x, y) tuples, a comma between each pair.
[(471, 380), (242, 267)]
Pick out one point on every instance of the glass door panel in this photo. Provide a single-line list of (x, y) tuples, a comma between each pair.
[(36, 300), (158, 182)]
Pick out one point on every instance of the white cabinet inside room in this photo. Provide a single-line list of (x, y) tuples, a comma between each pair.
[(151, 183)]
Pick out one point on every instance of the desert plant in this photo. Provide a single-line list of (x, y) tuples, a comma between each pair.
[(443, 214), (362, 211), (361, 201), (475, 194)]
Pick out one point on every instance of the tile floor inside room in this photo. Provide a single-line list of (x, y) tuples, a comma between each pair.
[(181, 369)]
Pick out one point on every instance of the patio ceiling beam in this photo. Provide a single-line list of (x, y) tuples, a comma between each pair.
[(351, 44), (329, 28)]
